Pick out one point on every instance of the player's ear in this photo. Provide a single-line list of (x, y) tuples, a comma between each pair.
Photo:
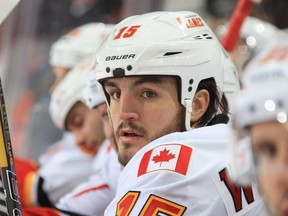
[(200, 104)]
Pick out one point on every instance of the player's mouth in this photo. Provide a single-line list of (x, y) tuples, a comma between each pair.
[(284, 207), (91, 148), (129, 135)]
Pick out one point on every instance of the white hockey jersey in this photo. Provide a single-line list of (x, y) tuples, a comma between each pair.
[(65, 169), (67, 142), (92, 197), (184, 174)]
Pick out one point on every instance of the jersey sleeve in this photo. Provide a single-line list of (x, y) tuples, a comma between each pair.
[(64, 171), (93, 196)]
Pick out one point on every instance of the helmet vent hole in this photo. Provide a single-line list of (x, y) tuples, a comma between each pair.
[(107, 69), (203, 37), (198, 37), (171, 53), (190, 88), (129, 67), (207, 36), (191, 81)]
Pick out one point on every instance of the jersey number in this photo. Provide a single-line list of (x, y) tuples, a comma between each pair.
[(153, 206)]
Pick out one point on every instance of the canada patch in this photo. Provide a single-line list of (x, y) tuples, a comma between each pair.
[(172, 157)]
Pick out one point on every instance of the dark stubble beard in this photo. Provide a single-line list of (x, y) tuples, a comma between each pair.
[(176, 125)]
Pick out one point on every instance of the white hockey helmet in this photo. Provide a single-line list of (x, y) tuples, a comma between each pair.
[(254, 31), (165, 43), (93, 92), (72, 89), (256, 34), (264, 98), (78, 45), (264, 79)]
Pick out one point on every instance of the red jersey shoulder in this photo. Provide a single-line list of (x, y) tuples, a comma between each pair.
[(171, 157)]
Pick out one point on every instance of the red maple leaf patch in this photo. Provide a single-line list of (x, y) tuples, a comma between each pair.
[(164, 156)]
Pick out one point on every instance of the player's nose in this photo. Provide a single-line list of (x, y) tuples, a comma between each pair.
[(128, 108)]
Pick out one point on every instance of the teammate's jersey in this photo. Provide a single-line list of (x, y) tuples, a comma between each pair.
[(101, 157), (64, 170), (67, 141), (93, 196), (184, 174)]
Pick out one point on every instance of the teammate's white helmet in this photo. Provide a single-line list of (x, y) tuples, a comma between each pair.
[(264, 97), (263, 81), (70, 91), (78, 45), (93, 92), (256, 33), (164, 43)]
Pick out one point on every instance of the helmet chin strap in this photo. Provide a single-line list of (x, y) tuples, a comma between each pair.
[(188, 107)]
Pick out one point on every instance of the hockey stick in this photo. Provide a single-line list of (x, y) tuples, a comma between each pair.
[(8, 174), (242, 10), (7, 163)]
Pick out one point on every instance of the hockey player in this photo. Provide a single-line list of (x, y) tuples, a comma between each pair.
[(262, 115), (69, 50), (93, 196), (163, 74), (69, 112), (65, 53)]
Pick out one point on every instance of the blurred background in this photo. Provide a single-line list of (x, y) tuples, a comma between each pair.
[(25, 41)]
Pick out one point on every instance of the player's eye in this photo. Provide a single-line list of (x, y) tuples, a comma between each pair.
[(76, 123), (149, 94), (115, 95), (266, 151)]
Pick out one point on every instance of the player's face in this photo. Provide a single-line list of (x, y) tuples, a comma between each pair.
[(59, 74), (142, 109), (87, 126), (108, 129), (270, 144)]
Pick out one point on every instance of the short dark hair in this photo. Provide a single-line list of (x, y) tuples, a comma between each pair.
[(216, 101)]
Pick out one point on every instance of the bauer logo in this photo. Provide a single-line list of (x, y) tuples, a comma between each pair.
[(120, 57)]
